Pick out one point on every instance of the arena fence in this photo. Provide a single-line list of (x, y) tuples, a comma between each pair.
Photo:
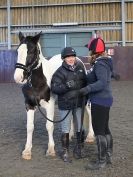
[(122, 59)]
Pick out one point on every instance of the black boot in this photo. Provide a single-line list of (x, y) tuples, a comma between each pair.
[(80, 143), (109, 139), (82, 138), (102, 149), (65, 146)]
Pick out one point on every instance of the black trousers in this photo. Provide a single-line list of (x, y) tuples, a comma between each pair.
[(100, 119)]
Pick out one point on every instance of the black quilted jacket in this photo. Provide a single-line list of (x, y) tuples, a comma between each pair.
[(64, 74)]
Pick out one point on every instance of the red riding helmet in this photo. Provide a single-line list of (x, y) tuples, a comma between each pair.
[(96, 45)]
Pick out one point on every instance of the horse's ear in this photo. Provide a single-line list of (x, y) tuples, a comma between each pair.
[(21, 36), (37, 37)]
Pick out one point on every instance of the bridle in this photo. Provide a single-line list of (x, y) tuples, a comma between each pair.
[(28, 69)]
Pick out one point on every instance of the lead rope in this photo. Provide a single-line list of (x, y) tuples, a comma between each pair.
[(43, 112), (82, 116)]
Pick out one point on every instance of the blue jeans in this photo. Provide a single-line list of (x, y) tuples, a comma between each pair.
[(66, 124)]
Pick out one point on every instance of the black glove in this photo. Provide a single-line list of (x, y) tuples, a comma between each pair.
[(72, 94), (84, 91), (71, 84)]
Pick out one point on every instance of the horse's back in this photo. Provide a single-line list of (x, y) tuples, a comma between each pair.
[(54, 63)]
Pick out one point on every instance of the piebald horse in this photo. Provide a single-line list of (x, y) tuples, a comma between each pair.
[(34, 72)]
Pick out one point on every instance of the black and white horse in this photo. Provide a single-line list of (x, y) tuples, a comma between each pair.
[(35, 73)]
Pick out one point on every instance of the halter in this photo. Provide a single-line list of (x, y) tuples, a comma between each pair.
[(29, 69)]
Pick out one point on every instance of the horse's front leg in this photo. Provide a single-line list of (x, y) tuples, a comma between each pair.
[(51, 144), (50, 126), (90, 137), (71, 133), (26, 154)]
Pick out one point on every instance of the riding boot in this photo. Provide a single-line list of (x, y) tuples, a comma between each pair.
[(109, 139), (102, 149), (82, 138), (65, 147), (80, 143)]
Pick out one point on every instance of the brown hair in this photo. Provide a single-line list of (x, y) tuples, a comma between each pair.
[(94, 56)]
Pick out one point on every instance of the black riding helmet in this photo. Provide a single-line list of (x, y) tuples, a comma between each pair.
[(68, 51)]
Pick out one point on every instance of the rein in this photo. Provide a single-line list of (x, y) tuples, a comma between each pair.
[(38, 106)]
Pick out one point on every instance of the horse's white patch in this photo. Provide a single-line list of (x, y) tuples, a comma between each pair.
[(22, 54), (50, 66)]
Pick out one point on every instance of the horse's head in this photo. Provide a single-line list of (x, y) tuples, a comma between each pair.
[(28, 57)]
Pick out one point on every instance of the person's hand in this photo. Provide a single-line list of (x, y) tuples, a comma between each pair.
[(71, 84), (72, 94), (84, 91)]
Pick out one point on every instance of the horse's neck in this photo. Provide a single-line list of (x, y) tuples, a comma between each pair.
[(49, 66), (45, 69), (38, 73), (44, 63)]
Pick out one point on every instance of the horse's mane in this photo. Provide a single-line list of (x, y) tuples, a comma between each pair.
[(40, 52)]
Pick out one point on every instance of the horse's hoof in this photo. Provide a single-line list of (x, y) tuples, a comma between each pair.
[(90, 140), (26, 156), (71, 136), (52, 154)]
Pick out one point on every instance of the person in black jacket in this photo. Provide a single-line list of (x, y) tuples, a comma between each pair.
[(100, 94), (66, 82)]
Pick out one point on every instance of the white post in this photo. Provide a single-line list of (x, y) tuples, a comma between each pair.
[(123, 21), (9, 23)]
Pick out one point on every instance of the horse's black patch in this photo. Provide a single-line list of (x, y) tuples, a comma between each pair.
[(35, 76), (39, 89)]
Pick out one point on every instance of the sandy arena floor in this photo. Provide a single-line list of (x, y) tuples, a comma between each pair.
[(13, 137)]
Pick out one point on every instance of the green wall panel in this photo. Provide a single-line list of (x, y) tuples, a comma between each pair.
[(52, 44)]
